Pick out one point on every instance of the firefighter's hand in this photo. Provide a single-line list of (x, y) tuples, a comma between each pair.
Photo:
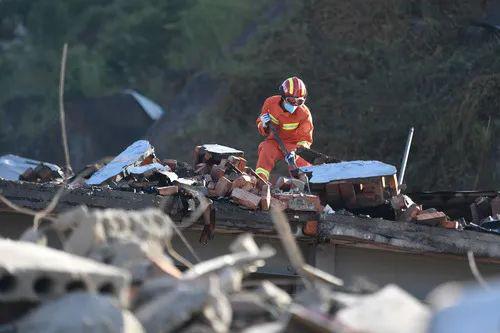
[(265, 119), (290, 158)]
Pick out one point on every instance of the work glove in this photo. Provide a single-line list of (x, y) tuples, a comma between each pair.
[(290, 158), (265, 119)]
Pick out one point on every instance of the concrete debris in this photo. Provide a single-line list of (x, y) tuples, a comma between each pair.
[(79, 312), (130, 240), (36, 273), (390, 310)]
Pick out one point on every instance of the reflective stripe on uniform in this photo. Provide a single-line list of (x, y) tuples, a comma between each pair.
[(262, 171), (304, 144), (273, 119), (290, 126)]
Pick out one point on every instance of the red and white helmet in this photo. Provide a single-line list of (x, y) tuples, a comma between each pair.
[(293, 87)]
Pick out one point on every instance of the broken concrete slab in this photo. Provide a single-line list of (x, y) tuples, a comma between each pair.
[(34, 273), (390, 310)]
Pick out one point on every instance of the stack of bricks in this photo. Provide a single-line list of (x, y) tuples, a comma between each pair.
[(408, 211), (230, 177)]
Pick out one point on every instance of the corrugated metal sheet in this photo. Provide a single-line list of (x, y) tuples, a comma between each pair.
[(12, 166), (325, 173)]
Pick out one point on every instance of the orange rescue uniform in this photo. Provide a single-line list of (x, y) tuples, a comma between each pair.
[(295, 129)]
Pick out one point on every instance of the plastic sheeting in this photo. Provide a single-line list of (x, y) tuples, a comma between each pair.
[(325, 173), (132, 156), (151, 108), (12, 166)]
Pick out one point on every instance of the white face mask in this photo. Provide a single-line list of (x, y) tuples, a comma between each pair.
[(289, 107)]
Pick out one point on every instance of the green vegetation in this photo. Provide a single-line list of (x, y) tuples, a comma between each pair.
[(374, 68)]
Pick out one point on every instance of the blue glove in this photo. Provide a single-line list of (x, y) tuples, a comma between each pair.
[(290, 158), (265, 118)]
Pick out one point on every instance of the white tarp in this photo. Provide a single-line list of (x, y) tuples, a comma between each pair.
[(329, 172), (220, 149), (151, 108), (12, 166), (132, 156)]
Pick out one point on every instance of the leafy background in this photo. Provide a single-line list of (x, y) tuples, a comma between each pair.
[(374, 68)]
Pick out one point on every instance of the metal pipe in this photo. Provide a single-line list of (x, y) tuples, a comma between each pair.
[(405, 157)]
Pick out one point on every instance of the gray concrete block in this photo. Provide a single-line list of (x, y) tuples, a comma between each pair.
[(79, 313), (30, 272)]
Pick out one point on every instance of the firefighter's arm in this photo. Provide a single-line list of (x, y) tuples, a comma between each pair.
[(305, 131), (263, 130)]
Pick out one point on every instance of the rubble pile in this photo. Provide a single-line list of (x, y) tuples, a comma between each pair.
[(14, 167), (104, 292), (408, 211), (365, 188), (485, 214)]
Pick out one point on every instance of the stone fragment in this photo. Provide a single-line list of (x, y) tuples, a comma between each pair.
[(246, 198), (171, 163)]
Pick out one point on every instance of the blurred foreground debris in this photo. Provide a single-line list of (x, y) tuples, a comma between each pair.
[(210, 296)]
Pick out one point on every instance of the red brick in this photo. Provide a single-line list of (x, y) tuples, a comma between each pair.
[(239, 162), (172, 164), (217, 172), (310, 228), (168, 190), (278, 204), (260, 181), (223, 187), (347, 193), (196, 155), (201, 168), (495, 206), (265, 197), (449, 224), (245, 198), (433, 218), (410, 213), (300, 202), (245, 182)]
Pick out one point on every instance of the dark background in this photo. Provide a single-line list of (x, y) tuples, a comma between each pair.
[(373, 68)]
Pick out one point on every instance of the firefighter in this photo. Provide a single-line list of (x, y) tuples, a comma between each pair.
[(292, 119)]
